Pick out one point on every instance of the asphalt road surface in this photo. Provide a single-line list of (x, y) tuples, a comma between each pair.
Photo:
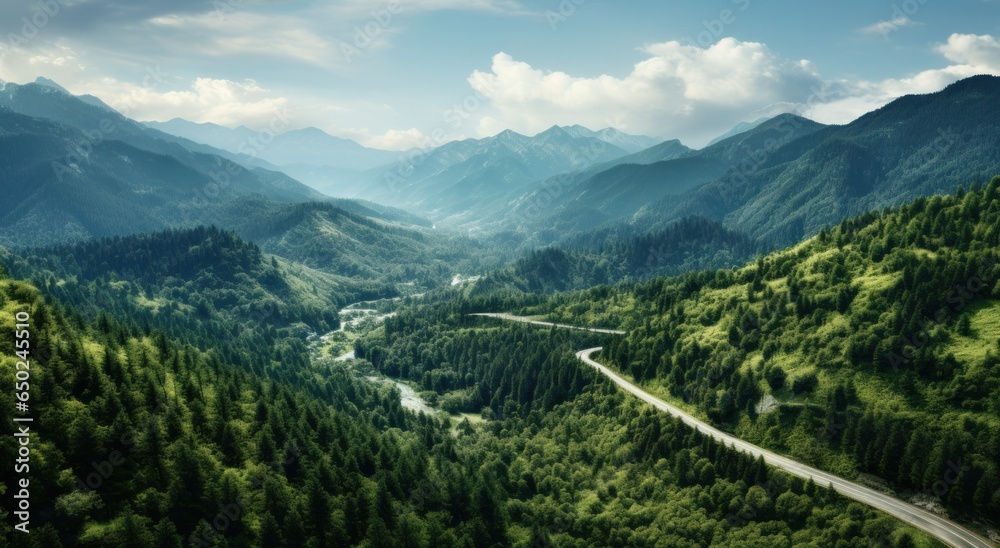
[(522, 319), (947, 531), (941, 528)]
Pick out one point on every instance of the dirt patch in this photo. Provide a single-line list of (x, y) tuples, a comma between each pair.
[(929, 503), (766, 404)]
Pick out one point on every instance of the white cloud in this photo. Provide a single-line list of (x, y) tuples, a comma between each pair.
[(224, 42), (398, 140), (696, 93), (54, 61), (151, 94), (207, 100), (155, 95), (245, 33), (969, 49), (678, 90), (326, 35), (364, 8), (975, 55), (63, 59), (883, 28)]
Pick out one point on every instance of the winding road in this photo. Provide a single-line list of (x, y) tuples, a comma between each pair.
[(522, 319), (941, 528)]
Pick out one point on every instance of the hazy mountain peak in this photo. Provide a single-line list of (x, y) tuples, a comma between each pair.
[(179, 121), (787, 116), (313, 131), (783, 120), (979, 83), (309, 154), (509, 136), (787, 125), (42, 81), (556, 131), (741, 127), (576, 130), (611, 132), (628, 143), (49, 86)]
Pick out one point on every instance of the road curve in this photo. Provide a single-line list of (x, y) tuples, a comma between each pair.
[(945, 530), (941, 528), (522, 319)]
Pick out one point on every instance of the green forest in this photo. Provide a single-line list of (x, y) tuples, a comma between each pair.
[(184, 388), (151, 431), (788, 335), (878, 340), (176, 401), (143, 440)]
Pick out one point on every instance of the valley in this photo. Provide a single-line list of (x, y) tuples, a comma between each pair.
[(951, 533), (558, 337)]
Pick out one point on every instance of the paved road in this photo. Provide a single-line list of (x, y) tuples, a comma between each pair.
[(522, 319), (943, 529), (947, 531)]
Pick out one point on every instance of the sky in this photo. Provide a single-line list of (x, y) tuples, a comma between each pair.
[(403, 73)]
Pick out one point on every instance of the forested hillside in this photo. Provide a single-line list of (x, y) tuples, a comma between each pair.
[(143, 440), (878, 341), (66, 182), (204, 285), (73, 170), (777, 183), (589, 199), (499, 273), (619, 255), (460, 177), (173, 392), (327, 237), (916, 146), (602, 469)]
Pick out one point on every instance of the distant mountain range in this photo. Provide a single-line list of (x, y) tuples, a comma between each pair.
[(48, 100), (778, 181), (300, 146), (467, 176), (73, 168), (624, 141), (612, 192), (915, 146), (342, 167), (83, 169), (741, 127), (327, 163)]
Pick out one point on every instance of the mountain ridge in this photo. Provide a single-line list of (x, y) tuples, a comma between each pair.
[(915, 146), (308, 146), (589, 200), (469, 168)]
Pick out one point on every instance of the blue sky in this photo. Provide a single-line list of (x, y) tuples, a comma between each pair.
[(420, 72)]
